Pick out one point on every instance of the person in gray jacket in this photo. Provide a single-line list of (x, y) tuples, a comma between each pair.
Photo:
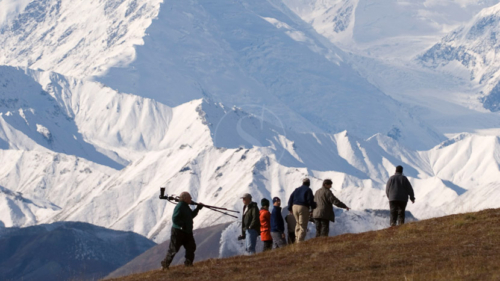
[(324, 214), (398, 189)]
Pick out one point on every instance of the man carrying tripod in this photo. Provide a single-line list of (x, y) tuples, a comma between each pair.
[(182, 231)]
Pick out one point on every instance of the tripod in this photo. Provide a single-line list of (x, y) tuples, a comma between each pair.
[(174, 199)]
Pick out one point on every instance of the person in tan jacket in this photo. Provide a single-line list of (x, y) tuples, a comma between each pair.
[(324, 213)]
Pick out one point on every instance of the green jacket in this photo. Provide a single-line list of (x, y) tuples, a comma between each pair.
[(251, 218), (183, 217)]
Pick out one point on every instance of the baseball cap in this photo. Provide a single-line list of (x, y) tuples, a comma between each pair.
[(246, 195), (275, 199)]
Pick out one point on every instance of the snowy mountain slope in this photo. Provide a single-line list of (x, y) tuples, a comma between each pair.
[(444, 100), (78, 38), (269, 164), (479, 157), (251, 54), (384, 38), (385, 29), (217, 153), (274, 61), (30, 119), (17, 210), (471, 50), (118, 125), (58, 180)]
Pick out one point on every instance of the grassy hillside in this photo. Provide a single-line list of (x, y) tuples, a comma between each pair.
[(459, 247)]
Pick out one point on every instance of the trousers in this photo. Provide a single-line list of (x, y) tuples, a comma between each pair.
[(179, 238), (322, 227), (398, 209), (251, 240), (301, 214)]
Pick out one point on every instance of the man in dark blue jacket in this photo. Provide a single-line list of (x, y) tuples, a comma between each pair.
[(398, 189), (277, 224), (301, 203)]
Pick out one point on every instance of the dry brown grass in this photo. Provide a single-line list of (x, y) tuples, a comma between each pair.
[(459, 247)]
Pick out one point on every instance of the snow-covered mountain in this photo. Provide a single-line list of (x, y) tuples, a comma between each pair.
[(471, 51), (385, 40), (192, 50), (217, 153), (78, 38), (385, 28)]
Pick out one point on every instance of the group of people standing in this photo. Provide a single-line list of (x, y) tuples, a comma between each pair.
[(303, 207), (269, 226)]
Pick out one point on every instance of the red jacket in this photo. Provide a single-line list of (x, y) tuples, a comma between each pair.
[(265, 225)]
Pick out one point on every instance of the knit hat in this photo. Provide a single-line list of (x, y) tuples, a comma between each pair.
[(276, 199), (264, 202)]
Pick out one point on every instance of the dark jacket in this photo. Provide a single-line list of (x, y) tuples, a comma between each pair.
[(251, 218), (291, 223), (398, 188), (302, 196), (324, 198), (277, 222), (183, 217)]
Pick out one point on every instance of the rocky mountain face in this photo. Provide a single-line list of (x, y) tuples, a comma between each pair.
[(472, 49)]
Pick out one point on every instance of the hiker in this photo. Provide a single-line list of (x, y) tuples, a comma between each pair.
[(324, 214), (291, 223), (398, 189), (265, 225), (277, 225), (182, 231), (300, 203), (250, 223)]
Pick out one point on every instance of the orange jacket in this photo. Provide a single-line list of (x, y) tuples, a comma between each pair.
[(265, 225)]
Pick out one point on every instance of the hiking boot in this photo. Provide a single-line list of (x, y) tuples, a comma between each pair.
[(164, 265), (188, 263)]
